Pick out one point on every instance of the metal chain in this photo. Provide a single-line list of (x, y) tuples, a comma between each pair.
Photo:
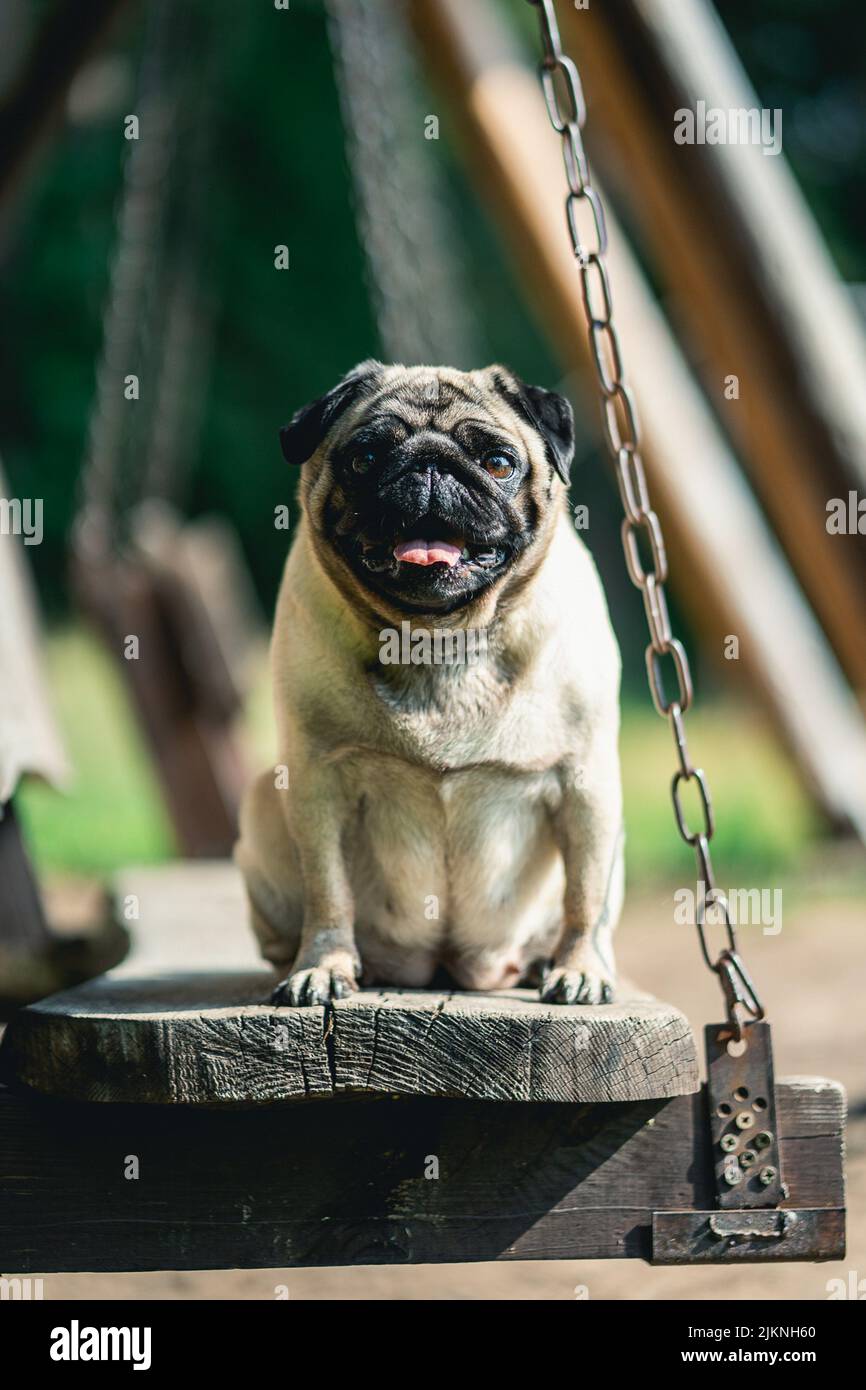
[(566, 108)]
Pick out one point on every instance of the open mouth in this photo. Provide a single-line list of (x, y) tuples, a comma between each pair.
[(425, 549), (432, 552), (437, 551)]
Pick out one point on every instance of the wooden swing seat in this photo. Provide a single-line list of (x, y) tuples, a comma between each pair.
[(405, 1125)]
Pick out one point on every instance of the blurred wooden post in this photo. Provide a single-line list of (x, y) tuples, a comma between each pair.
[(726, 566), (68, 34), (747, 276), (181, 690), (23, 929), (29, 739)]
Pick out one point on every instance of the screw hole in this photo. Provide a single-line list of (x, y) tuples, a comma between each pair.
[(735, 1048), (759, 1103), (723, 1110), (741, 1093)]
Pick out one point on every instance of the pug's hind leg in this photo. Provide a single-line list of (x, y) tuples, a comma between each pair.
[(268, 861)]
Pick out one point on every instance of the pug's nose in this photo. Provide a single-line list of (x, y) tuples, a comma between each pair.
[(429, 452), (419, 466), (410, 490), (423, 472)]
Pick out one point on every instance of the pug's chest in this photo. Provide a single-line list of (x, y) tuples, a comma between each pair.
[(433, 854), (464, 874), (451, 722)]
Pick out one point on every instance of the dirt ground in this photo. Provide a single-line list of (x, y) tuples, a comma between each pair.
[(812, 974)]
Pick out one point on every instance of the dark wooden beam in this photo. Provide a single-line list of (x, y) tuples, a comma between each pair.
[(373, 1181)]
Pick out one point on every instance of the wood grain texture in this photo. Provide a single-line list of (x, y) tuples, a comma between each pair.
[(346, 1183), (508, 1046), (185, 1020), (198, 1040)]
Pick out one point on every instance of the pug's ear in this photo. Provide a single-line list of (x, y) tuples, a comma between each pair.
[(301, 437), (548, 413)]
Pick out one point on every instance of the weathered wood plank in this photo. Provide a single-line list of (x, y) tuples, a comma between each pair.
[(185, 1020), (194, 1040), (346, 1183), (508, 1046), (199, 1039)]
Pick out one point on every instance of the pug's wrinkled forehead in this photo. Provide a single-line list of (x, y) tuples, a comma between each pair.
[(442, 399)]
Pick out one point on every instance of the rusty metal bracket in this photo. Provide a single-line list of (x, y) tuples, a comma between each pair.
[(749, 1224), (747, 1237), (744, 1134)]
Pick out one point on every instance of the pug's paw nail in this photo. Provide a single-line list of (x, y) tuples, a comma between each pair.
[(306, 988), (280, 993), (563, 986)]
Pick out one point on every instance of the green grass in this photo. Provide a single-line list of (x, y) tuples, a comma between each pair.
[(113, 814), (763, 817)]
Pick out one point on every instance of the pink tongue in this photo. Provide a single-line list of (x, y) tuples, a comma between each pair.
[(427, 553)]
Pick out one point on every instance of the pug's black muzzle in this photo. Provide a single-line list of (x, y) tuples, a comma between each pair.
[(428, 493)]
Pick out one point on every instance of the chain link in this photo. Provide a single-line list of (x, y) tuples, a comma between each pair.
[(566, 108)]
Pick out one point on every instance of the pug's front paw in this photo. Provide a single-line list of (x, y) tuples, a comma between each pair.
[(318, 984), (562, 985)]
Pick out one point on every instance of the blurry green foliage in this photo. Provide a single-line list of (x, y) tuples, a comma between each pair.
[(112, 812), (278, 174), (809, 58)]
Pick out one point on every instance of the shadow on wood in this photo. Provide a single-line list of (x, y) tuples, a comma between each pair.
[(367, 1181)]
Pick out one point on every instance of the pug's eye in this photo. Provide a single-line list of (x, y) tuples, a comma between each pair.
[(499, 465), (363, 460)]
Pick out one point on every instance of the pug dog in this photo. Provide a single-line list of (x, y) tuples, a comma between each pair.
[(438, 815)]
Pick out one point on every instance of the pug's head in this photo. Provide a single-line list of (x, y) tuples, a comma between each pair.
[(427, 488)]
